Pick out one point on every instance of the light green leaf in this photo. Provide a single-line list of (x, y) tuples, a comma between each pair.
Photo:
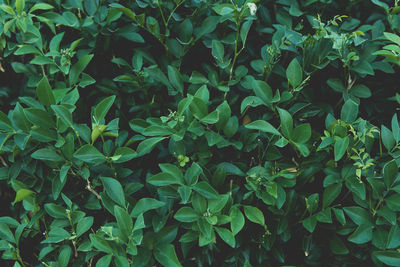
[(264, 126)]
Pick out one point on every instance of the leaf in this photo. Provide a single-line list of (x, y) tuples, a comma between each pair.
[(78, 67), (124, 222), (5, 233), (186, 214), (44, 92), (357, 214), (90, 154), (39, 117), (146, 146), (349, 111), (254, 214), (163, 179), (388, 257), (22, 194), (390, 171), (146, 204), (207, 26), (206, 190), (63, 113), (226, 235), (237, 220), (114, 190), (103, 107), (392, 37), (104, 261), (361, 235), (217, 50), (340, 147), (294, 73), (387, 138), (84, 225), (263, 91), (264, 126), (175, 78), (330, 194), (244, 31), (395, 128), (286, 122), (165, 254), (302, 133), (47, 154), (19, 5)]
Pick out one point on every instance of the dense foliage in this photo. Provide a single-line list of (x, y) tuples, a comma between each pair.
[(199, 133)]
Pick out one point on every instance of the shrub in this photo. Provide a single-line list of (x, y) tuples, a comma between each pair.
[(199, 133)]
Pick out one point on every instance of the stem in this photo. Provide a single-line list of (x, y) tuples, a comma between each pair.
[(236, 47), (162, 15)]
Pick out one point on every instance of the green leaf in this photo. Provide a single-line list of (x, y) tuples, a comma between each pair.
[(39, 117), (40, 6), (146, 204), (44, 92), (264, 126), (47, 154), (114, 190), (286, 123), (104, 261), (395, 128), (361, 235), (217, 50), (226, 235), (392, 37), (164, 179), (302, 133), (64, 256), (294, 73), (387, 138), (254, 214), (103, 107), (5, 123), (175, 78), (63, 113), (216, 205), (390, 171), (22, 194), (340, 147), (78, 67), (357, 214), (237, 220), (124, 222), (388, 257), (263, 91), (349, 111), (90, 154), (5, 233), (84, 225), (186, 214), (147, 145), (19, 6), (101, 244), (330, 194), (165, 254), (206, 190)]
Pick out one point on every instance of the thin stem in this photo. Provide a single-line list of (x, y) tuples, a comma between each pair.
[(162, 15)]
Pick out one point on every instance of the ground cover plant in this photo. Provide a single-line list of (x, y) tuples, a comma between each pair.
[(199, 133)]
